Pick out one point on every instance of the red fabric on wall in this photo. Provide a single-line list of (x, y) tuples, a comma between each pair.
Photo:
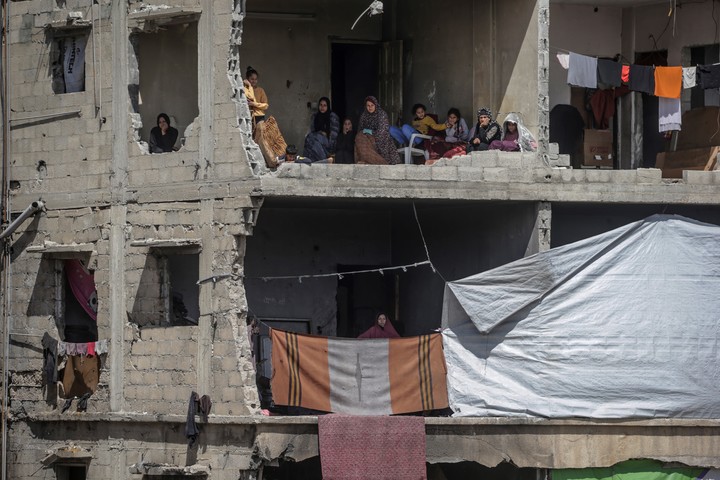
[(359, 448)]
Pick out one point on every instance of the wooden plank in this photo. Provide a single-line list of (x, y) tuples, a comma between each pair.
[(672, 164)]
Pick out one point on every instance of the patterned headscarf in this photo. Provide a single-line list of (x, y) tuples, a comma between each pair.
[(485, 111), (379, 123)]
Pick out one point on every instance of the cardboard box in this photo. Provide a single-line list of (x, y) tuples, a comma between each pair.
[(598, 148)]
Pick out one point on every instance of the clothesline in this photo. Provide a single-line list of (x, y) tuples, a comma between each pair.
[(339, 275), (666, 83)]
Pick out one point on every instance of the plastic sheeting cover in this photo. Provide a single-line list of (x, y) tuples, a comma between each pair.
[(622, 325), (633, 470)]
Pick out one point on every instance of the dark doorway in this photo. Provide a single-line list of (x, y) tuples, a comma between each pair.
[(699, 97), (361, 297), (654, 142), (354, 76)]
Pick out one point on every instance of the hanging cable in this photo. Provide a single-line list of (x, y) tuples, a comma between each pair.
[(375, 8), (427, 252)]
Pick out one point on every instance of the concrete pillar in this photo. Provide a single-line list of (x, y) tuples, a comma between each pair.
[(543, 95), (117, 307), (205, 323), (118, 210), (629, 145), (483, 55), (540, 237), (521, 79), (206, 86)]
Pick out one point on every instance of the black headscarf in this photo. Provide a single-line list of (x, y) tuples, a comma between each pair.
[(322, 120)]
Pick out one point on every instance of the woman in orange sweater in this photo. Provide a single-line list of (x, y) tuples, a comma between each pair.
[(259, 103)]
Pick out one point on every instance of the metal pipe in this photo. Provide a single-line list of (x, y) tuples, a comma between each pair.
[(5, 217), (46, 116), (30, 210)]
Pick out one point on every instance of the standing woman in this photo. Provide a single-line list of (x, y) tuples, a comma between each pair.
[(324, 128), (259, 103), (373, 143)]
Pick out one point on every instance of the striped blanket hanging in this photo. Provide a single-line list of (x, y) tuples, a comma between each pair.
[(358, 377)]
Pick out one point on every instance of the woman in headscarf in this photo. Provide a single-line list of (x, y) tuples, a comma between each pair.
[(373, 143), (515, 137), (324, 127), (485, 131), (345, 147), (382, 328), (163, 137), (259, 103)]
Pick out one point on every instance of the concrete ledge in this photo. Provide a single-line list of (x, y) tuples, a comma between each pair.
[(701, 177), (312, 420)]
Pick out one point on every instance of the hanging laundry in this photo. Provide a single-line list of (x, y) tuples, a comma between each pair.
[(708, 76), (689, 77), (670, 114), (603, 105), (75, 348), (642, 79), (50, 350), (609, 73), (74, 63), (625, 77), (668, 82), (564, 60), (89, 348), (81, 376), (582, 71), (101, 346), (82, 284)]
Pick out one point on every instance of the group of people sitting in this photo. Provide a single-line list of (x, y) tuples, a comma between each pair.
[(376, 142)]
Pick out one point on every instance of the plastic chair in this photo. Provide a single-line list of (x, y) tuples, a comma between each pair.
[(409, 151)]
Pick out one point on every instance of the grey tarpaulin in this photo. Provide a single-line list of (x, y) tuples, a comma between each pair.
[(622, 325)]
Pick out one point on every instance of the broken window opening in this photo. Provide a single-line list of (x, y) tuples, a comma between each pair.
[(69, 463), (179, 289), (71, 472), (164, 79), (67, 59), (76, 302)]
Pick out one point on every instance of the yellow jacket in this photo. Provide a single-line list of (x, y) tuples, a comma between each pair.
[(423, 126)]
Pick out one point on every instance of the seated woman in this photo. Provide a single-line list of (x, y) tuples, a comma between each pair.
[(515, 137), (456, 136), (373, 144), (382, 328), (163, 137), (484, 132), (345, 146), (324, 127), (420, 124)]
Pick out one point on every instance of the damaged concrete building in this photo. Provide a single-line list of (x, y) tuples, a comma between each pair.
[(186, 247)]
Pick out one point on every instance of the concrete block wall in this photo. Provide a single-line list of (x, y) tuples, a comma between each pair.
[(160, 364), (161, 369), (58, 143), (115, 446), (33, 302), (64, 142)]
